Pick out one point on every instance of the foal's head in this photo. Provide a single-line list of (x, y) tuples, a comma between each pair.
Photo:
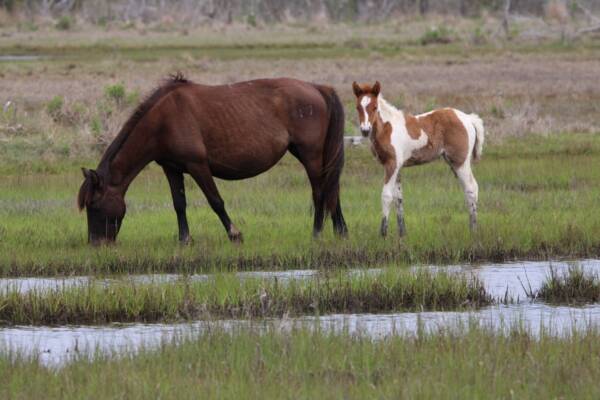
[(105, 207), (367, 105)]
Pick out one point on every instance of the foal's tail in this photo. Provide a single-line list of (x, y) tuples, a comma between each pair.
[(333, 151), (479, 138)]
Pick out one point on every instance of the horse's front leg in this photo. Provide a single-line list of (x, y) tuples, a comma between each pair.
[(400, 208), (387, 195), (176, 184), (203, 177)]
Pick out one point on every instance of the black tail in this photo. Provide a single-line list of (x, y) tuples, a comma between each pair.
[(333, 160)]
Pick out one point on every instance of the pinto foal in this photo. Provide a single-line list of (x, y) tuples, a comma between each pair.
[(399, 139)]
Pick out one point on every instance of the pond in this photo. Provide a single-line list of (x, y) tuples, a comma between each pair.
[(56, 345)]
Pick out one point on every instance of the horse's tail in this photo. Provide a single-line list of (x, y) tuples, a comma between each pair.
[(333, 151), (479, 137)]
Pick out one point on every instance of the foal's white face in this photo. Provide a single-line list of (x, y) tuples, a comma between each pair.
[(367, 105)]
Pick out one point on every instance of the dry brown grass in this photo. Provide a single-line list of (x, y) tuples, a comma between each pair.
[(516, 93)]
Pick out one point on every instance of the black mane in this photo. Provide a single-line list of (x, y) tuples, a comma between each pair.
[(172, 82)]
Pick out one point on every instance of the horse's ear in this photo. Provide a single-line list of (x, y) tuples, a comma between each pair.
[(357, 89), (92, 182), (92, 176), (376, 88)]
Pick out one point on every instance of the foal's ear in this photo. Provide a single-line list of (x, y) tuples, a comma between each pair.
[(376, 88), (357, 89), (92, 176)]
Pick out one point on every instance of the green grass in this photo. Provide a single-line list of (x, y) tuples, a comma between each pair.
[(538, 200), (575, 286), (532, 193), (475, 364), (228, 296)]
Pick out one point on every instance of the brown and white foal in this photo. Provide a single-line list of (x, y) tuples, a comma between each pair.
[(399, 139)]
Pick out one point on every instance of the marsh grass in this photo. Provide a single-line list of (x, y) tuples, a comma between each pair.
[(311, 364), (227, 296), (538, 200), (574, 286)]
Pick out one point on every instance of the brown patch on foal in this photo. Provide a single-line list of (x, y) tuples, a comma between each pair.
[(381, 141), (445, 135)]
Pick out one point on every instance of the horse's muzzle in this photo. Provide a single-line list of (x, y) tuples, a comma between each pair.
[(365, 132)]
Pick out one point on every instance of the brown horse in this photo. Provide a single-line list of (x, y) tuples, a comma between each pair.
[(230, 132)]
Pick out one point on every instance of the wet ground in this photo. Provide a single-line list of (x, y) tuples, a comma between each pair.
[(56, 345)]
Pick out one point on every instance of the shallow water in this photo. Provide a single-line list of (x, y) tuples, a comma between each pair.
[(24, 285), (56, 345), (12, 57), (500, 279)]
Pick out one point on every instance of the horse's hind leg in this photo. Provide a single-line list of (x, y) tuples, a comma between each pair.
[(339, 224), (312, 164), (203, 177), (471, 189), (175, 178)]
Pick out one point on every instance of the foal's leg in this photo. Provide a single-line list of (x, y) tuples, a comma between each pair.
[(399, 208), (176, 184), (203, 177), (471, 189), (387, 196)]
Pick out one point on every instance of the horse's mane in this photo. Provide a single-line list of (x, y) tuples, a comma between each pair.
[(172, 82)]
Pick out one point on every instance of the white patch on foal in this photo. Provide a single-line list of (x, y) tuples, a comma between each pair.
[(404, 146), (365, 125)]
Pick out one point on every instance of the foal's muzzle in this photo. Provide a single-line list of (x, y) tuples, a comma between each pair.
[(365, 132)]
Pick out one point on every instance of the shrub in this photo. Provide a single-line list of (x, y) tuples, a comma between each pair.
[(251, 20), (96, 126), (55, 106), (133, 98), (435, 34), (64, 23), (116, 93)]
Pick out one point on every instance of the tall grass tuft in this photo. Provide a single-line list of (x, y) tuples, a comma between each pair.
[(575, 286)]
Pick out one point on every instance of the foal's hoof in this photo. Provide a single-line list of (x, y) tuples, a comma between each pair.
[(184, 241), (384, 227), (401, 229)]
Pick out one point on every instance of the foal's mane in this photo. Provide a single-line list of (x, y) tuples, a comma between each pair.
[(172, 82)]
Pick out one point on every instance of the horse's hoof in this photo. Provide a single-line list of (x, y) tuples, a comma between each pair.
[(341, 232), (185, 241), (235, 236)]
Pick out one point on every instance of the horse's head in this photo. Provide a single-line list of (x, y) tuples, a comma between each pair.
[(105, 207), (367, 105)]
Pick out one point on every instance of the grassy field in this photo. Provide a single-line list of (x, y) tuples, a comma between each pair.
[(538, 200), (226, 296), (539, 183), (538, 178), (475, 363)]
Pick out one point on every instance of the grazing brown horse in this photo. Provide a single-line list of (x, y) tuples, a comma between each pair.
[(231, 132)]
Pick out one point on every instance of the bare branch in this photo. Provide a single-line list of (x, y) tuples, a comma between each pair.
[(587, 12), (591, 29)]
